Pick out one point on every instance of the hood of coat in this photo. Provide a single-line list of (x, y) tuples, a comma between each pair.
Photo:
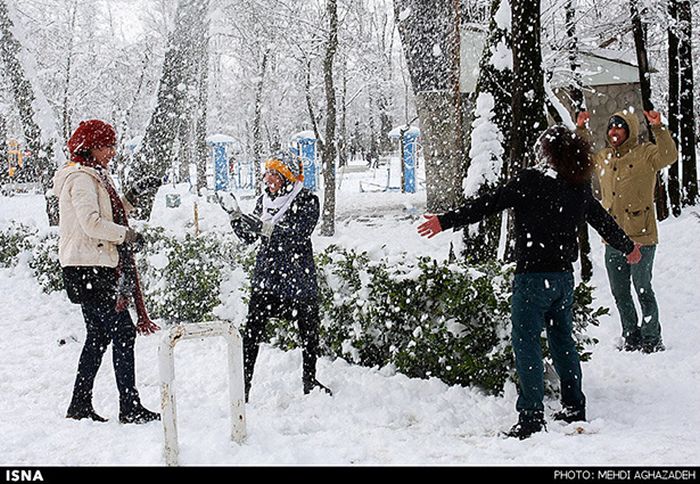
[(633, 123), (66, 171)]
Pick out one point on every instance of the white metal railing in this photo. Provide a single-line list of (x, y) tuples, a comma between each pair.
[(166, 360)]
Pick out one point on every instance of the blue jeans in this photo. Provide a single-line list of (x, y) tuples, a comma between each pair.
[(635, 332), (545, 300)]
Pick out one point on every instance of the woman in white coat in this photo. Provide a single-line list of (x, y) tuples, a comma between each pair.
[(99, 271)]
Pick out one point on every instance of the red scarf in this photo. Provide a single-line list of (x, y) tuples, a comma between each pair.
[(127, 262)]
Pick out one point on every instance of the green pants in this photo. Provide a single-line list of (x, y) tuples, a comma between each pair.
[(544, 300), (646, 331)]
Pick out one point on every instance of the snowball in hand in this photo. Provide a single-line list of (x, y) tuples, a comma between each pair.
[(228, 202)]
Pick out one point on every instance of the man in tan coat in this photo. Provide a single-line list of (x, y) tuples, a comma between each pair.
[(627, 171)]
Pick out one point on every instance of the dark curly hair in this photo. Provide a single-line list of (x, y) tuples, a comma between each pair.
[(567, 153)]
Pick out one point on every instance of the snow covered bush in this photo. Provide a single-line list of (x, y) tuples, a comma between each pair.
[(425, 318), (182, 276), (14, 239), (44, 262), (41, 250)]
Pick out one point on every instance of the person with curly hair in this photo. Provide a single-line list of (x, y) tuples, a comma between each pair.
[(549, 202)]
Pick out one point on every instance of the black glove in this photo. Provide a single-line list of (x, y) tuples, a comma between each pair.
[(134, 240), (142, 186), (252, 223), (257, 226)]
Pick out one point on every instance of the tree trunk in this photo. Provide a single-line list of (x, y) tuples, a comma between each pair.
[(674, 185), (427, 31), (66, 121), (455, 48), (184, 147), (687, 115), (373, 148), (310, 106), (157, 153), (257, 124), (528, 99), (201, 148), (579, 105), (329, 148), (41, 167), (4, 161), (185, 141), (483, 244), (640, 43), (343, 132)]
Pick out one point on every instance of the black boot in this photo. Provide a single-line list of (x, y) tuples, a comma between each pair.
[(81, 405), (653, 347), (80, 412), (570, 414), (633, 341), (527, 425), (137, 414), (310, 382)]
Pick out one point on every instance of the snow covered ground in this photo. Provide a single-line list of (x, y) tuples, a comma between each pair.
[(643, 409)]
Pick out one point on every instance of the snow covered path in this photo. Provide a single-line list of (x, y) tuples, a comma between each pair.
[(643, 409)]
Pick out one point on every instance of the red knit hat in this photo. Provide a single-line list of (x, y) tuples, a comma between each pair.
[(91, 134)]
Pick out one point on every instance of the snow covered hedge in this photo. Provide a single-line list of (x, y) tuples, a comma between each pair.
[(423, 317), (426, 318)]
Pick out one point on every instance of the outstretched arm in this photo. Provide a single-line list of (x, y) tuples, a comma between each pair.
[(505, 196)]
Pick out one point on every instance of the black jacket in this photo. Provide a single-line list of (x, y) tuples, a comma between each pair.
[(547, 212), (285, 262)]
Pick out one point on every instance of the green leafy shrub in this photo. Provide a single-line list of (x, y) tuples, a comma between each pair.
[(424, 317), (44, 263), (182, 276), (14, 239)]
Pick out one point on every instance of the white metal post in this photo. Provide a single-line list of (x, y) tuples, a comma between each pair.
[(166, 360)]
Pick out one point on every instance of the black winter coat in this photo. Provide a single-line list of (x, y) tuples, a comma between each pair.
[(547, 212), (284, 264)]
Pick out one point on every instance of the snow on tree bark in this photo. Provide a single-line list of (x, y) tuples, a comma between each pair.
[(329, 147), (686, 107), (640, 42), (66, 109), (158, 150), (4, 172), (42, 166), (427, 31), (579, 105), (674, 186), (490, 135), (201, 148), (257, 122), (528, 99), (343, 131)]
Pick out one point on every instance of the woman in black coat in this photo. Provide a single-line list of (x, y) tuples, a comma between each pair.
[(284, 279)]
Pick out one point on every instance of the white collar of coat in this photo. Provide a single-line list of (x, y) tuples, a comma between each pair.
[(274, 210)]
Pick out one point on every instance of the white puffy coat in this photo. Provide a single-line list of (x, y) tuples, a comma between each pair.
[(88, 234)]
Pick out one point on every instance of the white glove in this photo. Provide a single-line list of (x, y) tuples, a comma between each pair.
[(230, 205), (267, 228)]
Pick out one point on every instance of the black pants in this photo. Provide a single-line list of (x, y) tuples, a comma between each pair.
[(104, 325), (304, 314)]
